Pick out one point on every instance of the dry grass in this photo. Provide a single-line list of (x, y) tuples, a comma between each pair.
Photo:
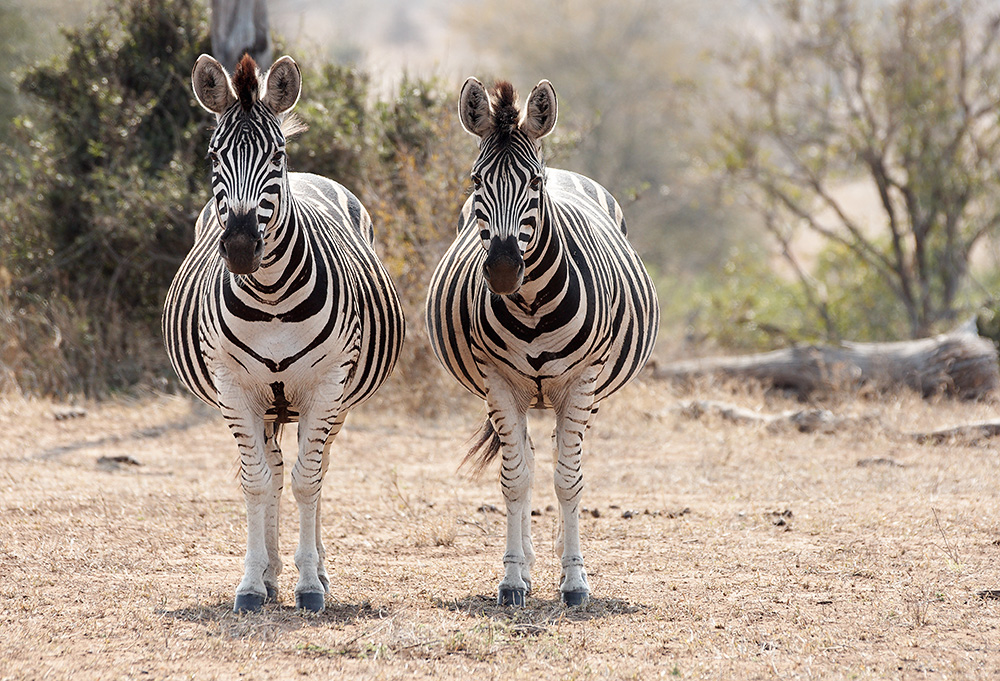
[(715, 550)]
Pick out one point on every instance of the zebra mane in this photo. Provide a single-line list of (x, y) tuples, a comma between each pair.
[(505, 111), (246, 82), (292, 125)]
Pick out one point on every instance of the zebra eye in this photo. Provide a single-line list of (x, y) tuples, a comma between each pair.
[(535, 182), (477, 181), (214, 158), (277, 157)]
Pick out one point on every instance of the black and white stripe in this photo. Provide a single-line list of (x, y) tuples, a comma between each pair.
[(280, 313), (539, 302)]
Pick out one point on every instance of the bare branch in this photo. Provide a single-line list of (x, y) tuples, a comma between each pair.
[(810, 286), (908, 101)]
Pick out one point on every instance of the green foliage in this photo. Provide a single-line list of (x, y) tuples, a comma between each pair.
[(13, 38), (988, 324), (106, 189), (116, 150), (334, 104), (861, 306), (743, 305), (751, 303), (415, 193)]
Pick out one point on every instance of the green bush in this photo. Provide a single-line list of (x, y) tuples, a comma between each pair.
[(752, 303), (860, 304), (107, 182), (742, 305), (334, 105), (13, 44)]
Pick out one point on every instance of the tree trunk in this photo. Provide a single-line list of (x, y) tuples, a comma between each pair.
[(238, 27), (959, 363)]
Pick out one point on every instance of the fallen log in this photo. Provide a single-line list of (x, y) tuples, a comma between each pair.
[(960, 363)]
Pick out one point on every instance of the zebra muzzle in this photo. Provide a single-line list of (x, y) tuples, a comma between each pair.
[(504, 266), (241, 245)]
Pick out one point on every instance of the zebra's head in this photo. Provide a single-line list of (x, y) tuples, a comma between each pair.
[(247, 150), (508, 177)]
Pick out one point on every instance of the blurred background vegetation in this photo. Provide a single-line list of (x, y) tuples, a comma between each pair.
[(792, 170)]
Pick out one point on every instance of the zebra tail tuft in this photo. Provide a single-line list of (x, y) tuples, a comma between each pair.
[(483, 450)]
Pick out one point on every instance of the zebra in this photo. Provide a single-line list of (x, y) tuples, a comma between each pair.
[(540, 302), (280, 313)]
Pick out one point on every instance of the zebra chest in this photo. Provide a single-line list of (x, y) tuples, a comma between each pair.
[(535, 343), (262, 350)]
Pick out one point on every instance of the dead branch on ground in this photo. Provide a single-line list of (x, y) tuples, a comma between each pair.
[(960, 363)]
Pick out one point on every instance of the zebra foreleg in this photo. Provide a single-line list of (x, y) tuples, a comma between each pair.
[(516, 469), (526, 543), (315, 433), (258, 485), (572, 419), (272, 440), (320, 549)]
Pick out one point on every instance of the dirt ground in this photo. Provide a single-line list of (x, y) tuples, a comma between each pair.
[(716, 549)]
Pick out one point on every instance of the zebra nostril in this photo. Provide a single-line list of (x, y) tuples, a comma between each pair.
[(258, 248), (222, 248), (504, 266)]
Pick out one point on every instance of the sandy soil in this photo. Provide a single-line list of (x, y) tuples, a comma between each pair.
[(715, 549)]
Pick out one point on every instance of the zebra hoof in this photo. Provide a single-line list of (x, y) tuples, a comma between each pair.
[(250, 602), (574, 598), (272, 594), (508, 596), (313, 602)]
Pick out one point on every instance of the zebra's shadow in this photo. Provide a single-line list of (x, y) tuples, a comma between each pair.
[(272, 619), (538, 613)]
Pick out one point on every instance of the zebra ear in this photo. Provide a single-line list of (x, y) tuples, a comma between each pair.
[(211, 85), (474, 108), (282, 86), (540, 111)]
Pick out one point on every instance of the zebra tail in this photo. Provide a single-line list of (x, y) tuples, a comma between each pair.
[(483, 450)]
